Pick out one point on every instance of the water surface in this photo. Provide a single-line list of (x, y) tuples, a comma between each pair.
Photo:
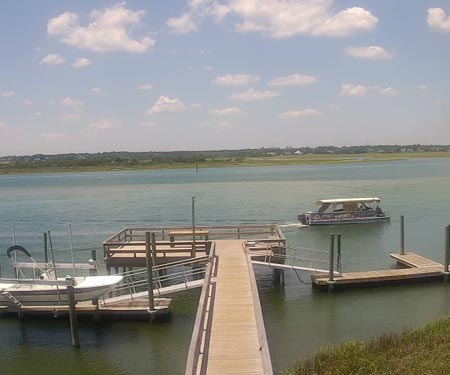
[(298, 319)]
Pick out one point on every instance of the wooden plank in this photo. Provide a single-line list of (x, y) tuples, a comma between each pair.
[(411, 259), (234, 346)]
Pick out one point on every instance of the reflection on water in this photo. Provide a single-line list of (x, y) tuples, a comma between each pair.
[(298, 319)]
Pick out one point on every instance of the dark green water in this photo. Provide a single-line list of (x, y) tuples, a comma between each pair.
[(298, 319)]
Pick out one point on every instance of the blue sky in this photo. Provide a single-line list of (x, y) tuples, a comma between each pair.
[(88, 76)]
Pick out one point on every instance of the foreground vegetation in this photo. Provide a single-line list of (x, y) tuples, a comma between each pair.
[(211, 159), (424, 351)]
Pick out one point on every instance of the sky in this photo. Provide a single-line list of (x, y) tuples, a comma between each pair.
[(96, 76)]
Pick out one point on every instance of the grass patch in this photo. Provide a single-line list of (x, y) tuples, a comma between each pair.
[(424, 351), (308, 159)]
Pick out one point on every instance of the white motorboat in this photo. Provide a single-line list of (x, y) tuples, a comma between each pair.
[(48, 289)]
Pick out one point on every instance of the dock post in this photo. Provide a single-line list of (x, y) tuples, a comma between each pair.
[(331, 266), (339, 252), (72, 312), (151, 300), (447, 253), (153, 248), (45, 248), (402, 235), (193, 227)]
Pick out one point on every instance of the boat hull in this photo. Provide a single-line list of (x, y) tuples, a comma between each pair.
[(334, 218), (352, 221), (29, 294)]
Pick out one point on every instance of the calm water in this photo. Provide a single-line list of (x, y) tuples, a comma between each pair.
[(298, 319)]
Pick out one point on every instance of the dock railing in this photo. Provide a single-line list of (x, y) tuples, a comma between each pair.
[(196, 348), (178, 241), (135, 282)]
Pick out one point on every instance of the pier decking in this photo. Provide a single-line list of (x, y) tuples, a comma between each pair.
[(235, 346), (229, 337), (419, 268)]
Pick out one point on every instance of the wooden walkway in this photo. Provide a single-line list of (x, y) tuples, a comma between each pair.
[(419, 268), (235, 341)]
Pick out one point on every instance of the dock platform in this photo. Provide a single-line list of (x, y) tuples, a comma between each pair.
[(129, 309), (232, 337), (419, 268)]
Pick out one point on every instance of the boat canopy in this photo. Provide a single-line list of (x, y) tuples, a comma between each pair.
[(349, 200)]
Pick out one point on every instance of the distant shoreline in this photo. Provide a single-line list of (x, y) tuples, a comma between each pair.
[(309, 159)]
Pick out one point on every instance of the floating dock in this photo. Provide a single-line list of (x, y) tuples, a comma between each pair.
[(136, 308), (419, 268)]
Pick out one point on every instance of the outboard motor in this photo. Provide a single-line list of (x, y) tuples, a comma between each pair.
[(303, 220)]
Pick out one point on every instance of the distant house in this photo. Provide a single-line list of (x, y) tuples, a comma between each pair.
[(298, 153)]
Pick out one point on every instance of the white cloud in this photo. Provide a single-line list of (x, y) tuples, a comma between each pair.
[(438, 20), (251, 95), (347, 89), (230, 111), (347, 22), (165, 104), (209, 68), (3, 125), (199, 10), (69, 102), (104, 124), (97, 90), (293, 80), (183, 24), (369, 52), (81, 62), (388, 91), (8, 94), (28, 102), (53, 59), (423, 87), (278, 18), (70, 117), (108, 30), (145, 87), (301, 113), (53, 136), (335, 106), (196, 105), (235, 80)]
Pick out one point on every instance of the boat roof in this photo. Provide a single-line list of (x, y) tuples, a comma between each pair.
[(347, 200)]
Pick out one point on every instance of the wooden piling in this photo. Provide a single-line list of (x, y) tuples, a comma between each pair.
[(45, 248), (447, 253), (151, 300), (402, 235), (331, 266), (339, 253), (73, 314)]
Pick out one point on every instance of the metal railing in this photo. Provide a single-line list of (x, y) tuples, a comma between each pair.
[(136, 282), (193, 363)]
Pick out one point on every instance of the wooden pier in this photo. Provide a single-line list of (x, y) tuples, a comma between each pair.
[(229, 335), (419, 268)]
